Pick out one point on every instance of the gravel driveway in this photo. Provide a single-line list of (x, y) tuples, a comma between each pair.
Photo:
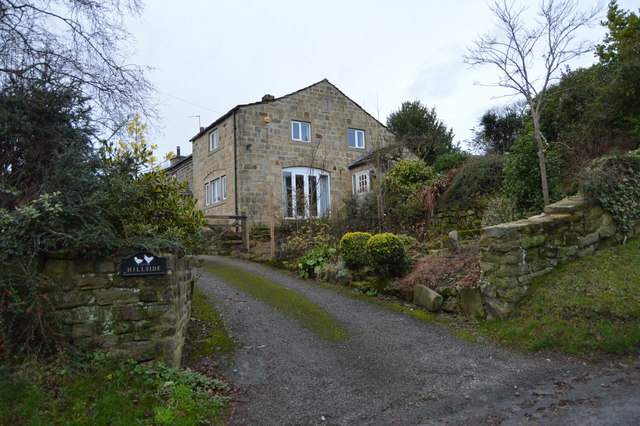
[(397, 369)]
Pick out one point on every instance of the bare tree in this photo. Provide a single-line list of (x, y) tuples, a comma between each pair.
[(530, 56), (77, 43)]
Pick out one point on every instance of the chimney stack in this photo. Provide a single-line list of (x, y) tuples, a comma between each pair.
[(177, 158)]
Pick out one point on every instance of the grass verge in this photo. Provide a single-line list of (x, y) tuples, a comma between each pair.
[(100, 391), (590, 307), (214, 339), (291, 303)]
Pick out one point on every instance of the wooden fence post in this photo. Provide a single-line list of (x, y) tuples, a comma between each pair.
[(245, 232)]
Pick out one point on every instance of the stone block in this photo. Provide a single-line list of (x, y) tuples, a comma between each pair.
[(533, 241), (514, 294), (79, 331), (607, 231), (117, 296), (427, 298), (471, 303), (509, 271), (512, 258), (451, 304), (92, 281), (588, 240), (67, 300), (506, 230), (505, 246), (497, 309), (568, 205), (132, 313)]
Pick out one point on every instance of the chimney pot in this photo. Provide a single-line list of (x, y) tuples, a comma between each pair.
[(178, 151), (201, 129)]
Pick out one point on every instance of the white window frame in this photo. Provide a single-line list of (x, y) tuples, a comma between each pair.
[(362, 182), (213, 140), (223, 187), (299, 125), (319, 206), (215, 191), (358, 142)]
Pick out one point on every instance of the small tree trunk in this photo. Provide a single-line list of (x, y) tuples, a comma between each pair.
[(541, 158)]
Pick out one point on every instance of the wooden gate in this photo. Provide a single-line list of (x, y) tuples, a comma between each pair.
[(229, 230)]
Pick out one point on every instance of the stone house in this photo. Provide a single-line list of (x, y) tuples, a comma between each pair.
[(181, 167), (297, 156)]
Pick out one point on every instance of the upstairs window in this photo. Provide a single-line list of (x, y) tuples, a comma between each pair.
[(356, 138), (301, 131), (213, 140)]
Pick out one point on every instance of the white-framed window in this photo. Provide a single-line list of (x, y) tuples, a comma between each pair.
[(213, 140), (223, 187), (362, 182), (305, 192), (215, 191), (356, 138), (301, 131)]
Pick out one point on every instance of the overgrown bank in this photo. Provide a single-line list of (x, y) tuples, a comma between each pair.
[(589, 307)]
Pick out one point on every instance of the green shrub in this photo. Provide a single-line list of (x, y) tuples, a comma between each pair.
[(614, 181), (480, 176), (359, 213), (446, 162), (353, 248), (407, 240), (522, 175), (386, 254), (313, 260), (401, 186), (298, 237), (500, 209)]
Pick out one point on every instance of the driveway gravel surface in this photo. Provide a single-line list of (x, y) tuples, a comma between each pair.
[(395, 369)]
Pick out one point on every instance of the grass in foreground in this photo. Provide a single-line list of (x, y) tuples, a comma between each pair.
[(291, 303), (101, 391), (589, 306), (215, 341)]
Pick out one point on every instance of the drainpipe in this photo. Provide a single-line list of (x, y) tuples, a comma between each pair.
[(235, 161)]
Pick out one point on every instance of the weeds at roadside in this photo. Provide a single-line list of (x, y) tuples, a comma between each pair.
[(98, 390)]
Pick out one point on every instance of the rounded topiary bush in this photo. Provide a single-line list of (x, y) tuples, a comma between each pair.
[(386, 254), (353, 248)]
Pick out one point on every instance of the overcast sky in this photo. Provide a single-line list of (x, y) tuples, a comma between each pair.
[(209, 56)]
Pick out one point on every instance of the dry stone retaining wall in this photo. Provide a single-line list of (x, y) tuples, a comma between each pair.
[(513, 254), (142, 318)]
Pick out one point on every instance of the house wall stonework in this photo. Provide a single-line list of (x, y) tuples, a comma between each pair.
[(209, 165), (183, 171), (265, 147)]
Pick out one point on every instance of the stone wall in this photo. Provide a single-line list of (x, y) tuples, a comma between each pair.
[(513, 254), (142, 318)]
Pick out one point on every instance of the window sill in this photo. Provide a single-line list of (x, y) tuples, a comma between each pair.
[(216, 204)]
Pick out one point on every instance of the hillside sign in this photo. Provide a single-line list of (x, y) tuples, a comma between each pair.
[(143, 264)]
